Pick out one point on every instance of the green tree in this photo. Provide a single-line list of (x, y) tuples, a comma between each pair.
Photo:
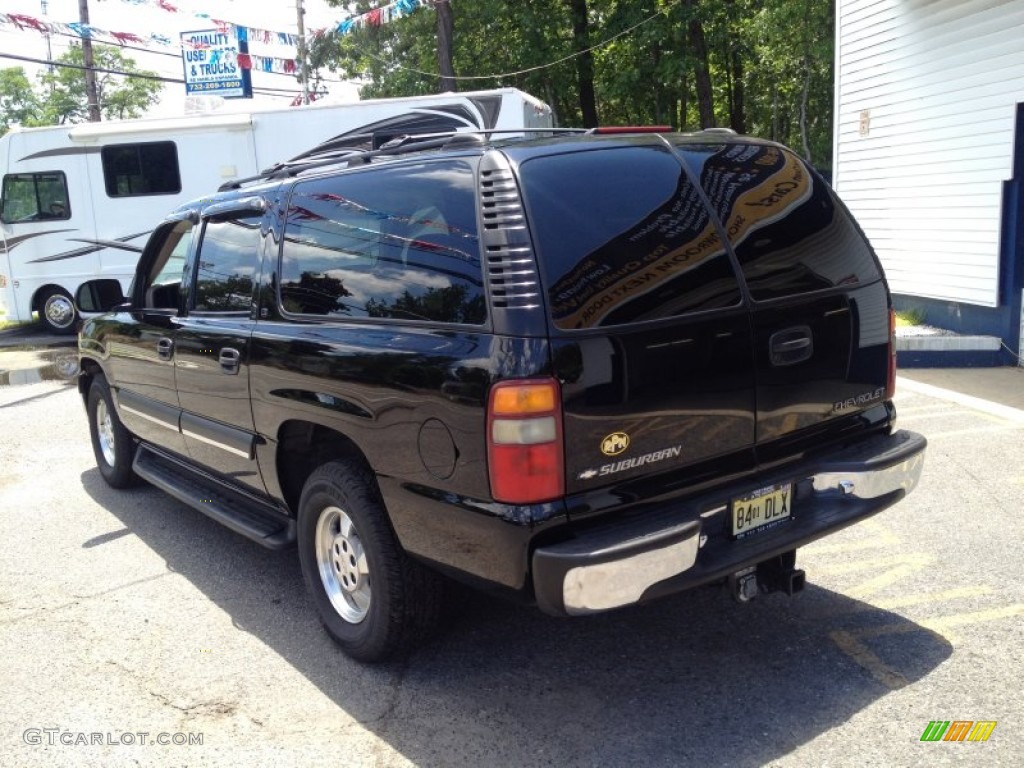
[(120, 96), (18, 102), (763, 67)]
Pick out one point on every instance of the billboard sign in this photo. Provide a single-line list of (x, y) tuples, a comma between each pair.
[(210, 58)]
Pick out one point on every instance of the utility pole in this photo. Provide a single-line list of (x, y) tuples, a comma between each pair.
[(445, 31), (303, 57), (91, 95), (49, 49)]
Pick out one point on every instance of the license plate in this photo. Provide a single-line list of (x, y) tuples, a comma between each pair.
[(761, 510)]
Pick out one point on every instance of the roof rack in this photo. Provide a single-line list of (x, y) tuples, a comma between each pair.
[(322, 156)]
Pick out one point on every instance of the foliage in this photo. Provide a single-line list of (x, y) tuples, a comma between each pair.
[(18, 103), (770, 61), (119, 97), (60, 96)]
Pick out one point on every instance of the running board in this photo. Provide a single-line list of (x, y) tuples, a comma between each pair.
[(244, 514)]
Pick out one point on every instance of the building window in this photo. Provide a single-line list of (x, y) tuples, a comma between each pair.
[(131, 170), (35, 197)]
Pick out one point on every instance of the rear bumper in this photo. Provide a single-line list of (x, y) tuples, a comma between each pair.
[(658, 552)]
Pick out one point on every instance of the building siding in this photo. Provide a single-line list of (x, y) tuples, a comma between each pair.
[(940, 81)]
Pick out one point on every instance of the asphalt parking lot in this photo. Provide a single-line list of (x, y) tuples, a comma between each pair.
[(129, 616)]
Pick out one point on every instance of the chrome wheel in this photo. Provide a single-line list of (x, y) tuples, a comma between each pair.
[(105, 433), (59, 311), (341, 561)]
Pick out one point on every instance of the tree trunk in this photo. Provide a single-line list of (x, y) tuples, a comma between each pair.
[(584, 62), (445, 33), (91, 96), (803, 110), (701, 70), (737, 116)]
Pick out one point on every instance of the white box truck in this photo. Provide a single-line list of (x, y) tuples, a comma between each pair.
[(79, 201)]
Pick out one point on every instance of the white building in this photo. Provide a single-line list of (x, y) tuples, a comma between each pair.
[(929, 152)]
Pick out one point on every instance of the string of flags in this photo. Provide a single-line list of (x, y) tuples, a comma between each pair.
[(373, 18)]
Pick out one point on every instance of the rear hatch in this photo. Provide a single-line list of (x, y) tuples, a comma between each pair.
[(820, 308), (650, 335), (684, 359)]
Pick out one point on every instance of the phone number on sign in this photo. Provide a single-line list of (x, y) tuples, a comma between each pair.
[(218, 86)]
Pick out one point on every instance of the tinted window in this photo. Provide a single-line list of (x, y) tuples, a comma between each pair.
[(162, 289), (227, 261), (141, 169), (623, 237), (390, 242), (35, 197), (789, 231)]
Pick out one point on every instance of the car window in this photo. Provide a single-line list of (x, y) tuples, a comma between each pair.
[(162, 289), (395, 243), (226, 264), (623, 236), (790, 232)]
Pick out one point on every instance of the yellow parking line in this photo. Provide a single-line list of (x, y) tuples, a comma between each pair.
[(977, 431), (944, 623), (880, 536), (861, 654), (915, 559), (881, 581), (932, 597)]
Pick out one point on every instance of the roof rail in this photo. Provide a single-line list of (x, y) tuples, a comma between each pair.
[(330, 154), (726, 131)]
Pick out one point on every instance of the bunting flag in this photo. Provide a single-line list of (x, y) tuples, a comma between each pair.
[(374, 18)]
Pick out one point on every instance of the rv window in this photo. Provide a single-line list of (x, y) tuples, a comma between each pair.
[(130, 170), (35, 197), (229, 255)]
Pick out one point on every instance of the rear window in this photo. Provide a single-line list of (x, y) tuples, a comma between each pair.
[(790, 232), (623, 236), (398, 243)]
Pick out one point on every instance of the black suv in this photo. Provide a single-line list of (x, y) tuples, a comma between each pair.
[(585, 370)]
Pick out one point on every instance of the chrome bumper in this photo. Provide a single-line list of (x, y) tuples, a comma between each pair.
[(615, 566)]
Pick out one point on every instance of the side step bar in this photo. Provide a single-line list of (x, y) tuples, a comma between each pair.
[(244, 514)]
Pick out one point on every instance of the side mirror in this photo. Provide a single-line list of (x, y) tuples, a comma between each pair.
[(99, 295)]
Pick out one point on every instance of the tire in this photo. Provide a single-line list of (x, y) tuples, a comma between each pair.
[(372, 598), (57, 311), (112, 444)]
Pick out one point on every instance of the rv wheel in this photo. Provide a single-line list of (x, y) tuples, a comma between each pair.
[(57, 311)]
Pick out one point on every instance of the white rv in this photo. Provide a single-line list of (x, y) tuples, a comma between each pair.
[(79, 201)]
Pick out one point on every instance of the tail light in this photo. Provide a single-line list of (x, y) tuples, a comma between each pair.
[(890, 382), (524, 441)]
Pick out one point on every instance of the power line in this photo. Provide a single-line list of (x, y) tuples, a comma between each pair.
[(161, 78), (602, 44)]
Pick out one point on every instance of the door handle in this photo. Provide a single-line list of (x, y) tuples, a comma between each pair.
[(229, 360), (791, 346), (165, 348)]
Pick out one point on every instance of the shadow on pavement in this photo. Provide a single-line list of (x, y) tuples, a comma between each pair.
[(689, 679)]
